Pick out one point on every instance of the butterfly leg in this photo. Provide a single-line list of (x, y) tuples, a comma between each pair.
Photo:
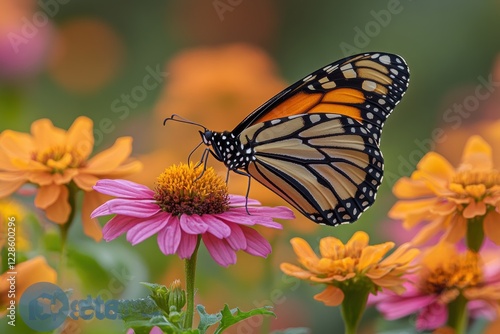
[(194, 150), (237, 171)]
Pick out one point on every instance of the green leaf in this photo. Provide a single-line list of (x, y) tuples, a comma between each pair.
[(207, 320), (233, 316), (138, 309)]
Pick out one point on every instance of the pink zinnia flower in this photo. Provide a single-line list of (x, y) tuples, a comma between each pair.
[(445, 275), (183, 207)]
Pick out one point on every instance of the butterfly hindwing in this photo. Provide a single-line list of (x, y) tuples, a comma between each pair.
[(327, 166)]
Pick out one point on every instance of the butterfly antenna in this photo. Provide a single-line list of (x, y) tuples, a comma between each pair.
[(177, 118)]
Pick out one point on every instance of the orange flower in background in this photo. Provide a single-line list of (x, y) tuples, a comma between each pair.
[(28, 273), (450, 198), (58, 162), (356, 263)]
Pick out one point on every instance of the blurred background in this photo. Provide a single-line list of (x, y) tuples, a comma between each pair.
[(128, 65)]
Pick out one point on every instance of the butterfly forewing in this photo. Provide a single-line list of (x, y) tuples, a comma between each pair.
[(365, 87), (327, 166)]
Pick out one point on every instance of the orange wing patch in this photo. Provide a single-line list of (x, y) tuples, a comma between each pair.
[(300, 103)]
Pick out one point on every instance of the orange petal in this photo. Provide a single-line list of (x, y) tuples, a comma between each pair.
[(60, 210), (403, 209), (47, 195), (41, 178), (91, 200), (28, 273), (477, 154), (11, 181), (428, 231), (407, 188), (46, 135), (85, 181), (491, 226), (359, 240), (457, 229), (331, 296), (371, 255), (303, 250), (295, 271), (108, 160), (436, 165), (80, 136), (444, 208), (329, 247), (474, 209), (123, 170), (15, 144)]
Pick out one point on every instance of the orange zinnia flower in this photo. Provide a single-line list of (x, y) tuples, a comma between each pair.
[(351, 267), (58, 162), (450, 198), (27, 273)]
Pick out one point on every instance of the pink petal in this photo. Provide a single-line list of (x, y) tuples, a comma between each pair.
[(193, 224), (123, 189), (256, 244), (281, 212), (241, 217), (216, 226), (431, 317), (147, 227), (127, 207), (220, 250), (169, 238), (118, 225), (237, 238), (237, 200), (187, 245), (401, 306)]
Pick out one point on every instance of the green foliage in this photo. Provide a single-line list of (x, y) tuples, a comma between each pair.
[(145, 313)]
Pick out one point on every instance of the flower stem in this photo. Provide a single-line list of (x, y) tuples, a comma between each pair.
[(190, 269), (353, 307), (64, 229), (457, 314), (475, 234)]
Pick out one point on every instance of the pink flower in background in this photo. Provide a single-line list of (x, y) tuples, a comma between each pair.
[(445, 275), (184, 207)]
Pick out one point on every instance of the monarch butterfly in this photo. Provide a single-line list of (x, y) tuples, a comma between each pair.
[(316, 143)]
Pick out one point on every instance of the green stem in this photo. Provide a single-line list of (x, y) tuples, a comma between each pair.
[(190, 269), (64, 229), (457, 314), (353, 306), (475, 234)]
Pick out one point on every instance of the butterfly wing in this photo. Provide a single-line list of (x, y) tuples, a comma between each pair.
[(365, 87), (327, 166)]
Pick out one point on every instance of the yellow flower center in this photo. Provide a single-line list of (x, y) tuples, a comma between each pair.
[(457, 273), (475, 183), (59, 158), (184, 189)]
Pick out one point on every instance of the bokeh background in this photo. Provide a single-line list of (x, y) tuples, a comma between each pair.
[(128, 65)]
